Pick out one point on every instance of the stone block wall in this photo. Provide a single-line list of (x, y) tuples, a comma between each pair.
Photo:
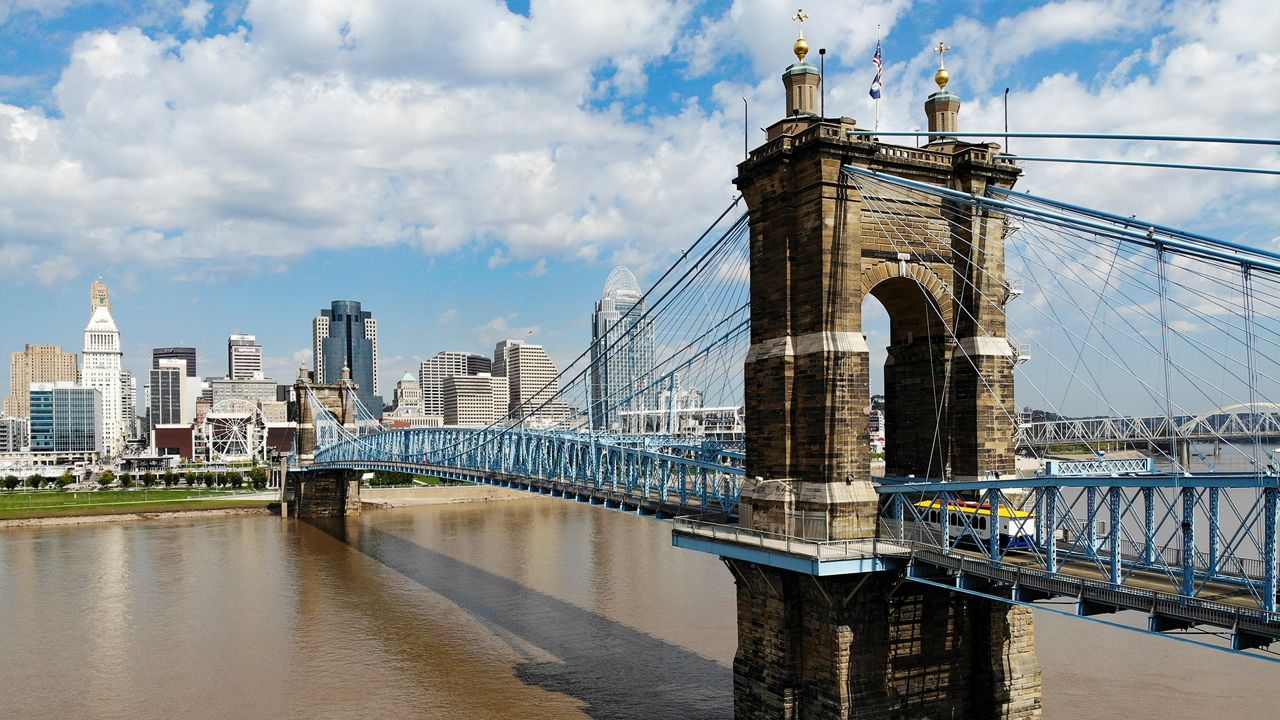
[(328, 493), (875, 648)]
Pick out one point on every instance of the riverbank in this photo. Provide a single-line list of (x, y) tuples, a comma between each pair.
[(107, 513), (375, 498)]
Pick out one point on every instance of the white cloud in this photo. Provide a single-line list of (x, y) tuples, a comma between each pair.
[(354, 124), (500, 328), (447, 316), (195, 14), (350, 124), (283, 369)]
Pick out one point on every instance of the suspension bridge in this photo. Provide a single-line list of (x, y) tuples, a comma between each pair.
[(1154, 339)]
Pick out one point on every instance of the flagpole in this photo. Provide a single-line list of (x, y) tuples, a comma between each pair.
[(878, 72)]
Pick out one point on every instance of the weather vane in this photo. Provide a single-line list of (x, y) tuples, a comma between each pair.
[(800, 17)]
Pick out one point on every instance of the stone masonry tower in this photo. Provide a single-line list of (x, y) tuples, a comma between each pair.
[(871, 646)]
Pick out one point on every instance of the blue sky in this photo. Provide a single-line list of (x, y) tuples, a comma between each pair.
[(473, 171)]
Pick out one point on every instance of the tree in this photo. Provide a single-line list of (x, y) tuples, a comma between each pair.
[(210, 479), (65, 479), (11, 482), (106, 478), (258, 478), (126, 480), (170, 479), (35, 481), (235, 480), (192, 478)]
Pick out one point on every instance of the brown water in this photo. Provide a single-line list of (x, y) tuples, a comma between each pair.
[(537, 608)]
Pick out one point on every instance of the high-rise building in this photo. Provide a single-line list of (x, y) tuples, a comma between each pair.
[(37, 364), (474, 400), (344, 336), (128, 405), (530, 374), (244, 357), (623, 351), (432, 372), (102, 359), (172, 395), (67, 421), (13, 432), (185, 354)]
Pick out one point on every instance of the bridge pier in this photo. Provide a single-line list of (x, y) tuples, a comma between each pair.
[(871, 647), (321, 493)]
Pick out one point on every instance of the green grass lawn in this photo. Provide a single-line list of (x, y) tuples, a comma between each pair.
[(41, 503)]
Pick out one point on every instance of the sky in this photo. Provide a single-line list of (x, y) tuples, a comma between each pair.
[(472, 171)]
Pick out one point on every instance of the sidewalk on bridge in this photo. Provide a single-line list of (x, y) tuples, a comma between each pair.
[(437, 495)]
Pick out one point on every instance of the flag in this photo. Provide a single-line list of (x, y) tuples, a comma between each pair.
[(875, 84)]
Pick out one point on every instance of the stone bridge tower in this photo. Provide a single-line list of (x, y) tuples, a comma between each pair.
[(339, 399), (870, 646)]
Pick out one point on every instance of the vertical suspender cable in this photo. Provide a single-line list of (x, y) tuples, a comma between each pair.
[(1164, 347), (1246, 283)]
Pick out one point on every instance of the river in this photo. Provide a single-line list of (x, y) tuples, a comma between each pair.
[(530, 608)]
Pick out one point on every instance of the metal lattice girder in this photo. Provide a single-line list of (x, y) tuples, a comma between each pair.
[(1209, 539), (696, 477), (1234, 423)]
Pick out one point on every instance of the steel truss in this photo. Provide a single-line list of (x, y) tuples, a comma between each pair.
[(1186, 549), (705, 477), (1236, 423)]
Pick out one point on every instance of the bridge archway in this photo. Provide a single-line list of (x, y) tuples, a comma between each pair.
[(915, 369)]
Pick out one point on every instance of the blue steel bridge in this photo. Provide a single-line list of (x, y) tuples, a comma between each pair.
[(1159, 336)]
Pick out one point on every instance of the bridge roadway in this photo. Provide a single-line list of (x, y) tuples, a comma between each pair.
[(1018, 578), (649, 501)]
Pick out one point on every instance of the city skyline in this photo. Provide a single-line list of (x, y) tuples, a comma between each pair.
[(654, 109)]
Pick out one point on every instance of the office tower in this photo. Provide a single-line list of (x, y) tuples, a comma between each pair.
[(432, 372), (244, 357), (102, 358), (344, 336), (128, 405), (531, 376), (623, 351), (474, 400), (185, 354), (37, 364), (67, 420), (172, 395)]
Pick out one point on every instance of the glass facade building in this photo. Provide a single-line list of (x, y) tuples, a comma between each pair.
[(66, 421), (347, 336), (623, 350)]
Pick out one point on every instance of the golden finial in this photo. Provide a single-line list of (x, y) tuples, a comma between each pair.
[(942, 77), (801, 47)]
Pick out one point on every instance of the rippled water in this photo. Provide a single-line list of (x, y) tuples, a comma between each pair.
[(537, 608)]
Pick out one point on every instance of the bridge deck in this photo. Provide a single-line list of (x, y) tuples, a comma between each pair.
[(1018, 578)]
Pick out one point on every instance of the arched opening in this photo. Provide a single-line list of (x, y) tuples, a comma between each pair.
[(910, 371)]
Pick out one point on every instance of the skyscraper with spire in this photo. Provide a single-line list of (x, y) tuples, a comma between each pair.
[(102, 361), (623, 351)]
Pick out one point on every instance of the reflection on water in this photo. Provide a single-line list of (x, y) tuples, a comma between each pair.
[(536, 608)]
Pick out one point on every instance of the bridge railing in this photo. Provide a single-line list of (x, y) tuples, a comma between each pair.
[(1186, 533), (822, 550)]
